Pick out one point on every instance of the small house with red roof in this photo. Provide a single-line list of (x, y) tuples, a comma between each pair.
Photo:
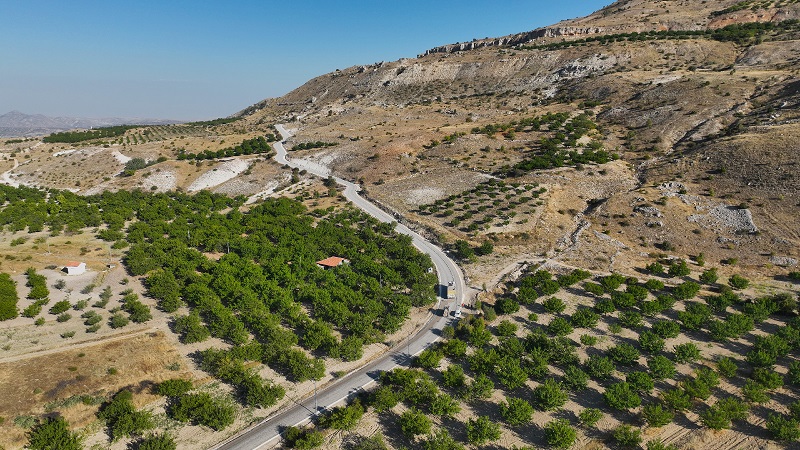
[(333, 261), (75, 268)]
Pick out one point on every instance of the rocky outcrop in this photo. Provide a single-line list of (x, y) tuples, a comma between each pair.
[(517, 39), (783, 261), (629, 16), (761, 15)]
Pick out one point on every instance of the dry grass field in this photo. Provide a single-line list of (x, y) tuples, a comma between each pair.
[(79, 377)]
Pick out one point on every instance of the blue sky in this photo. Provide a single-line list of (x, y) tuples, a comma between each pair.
[(202, 59)]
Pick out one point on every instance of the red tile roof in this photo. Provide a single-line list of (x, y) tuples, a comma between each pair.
[(333, 261), (73, 264)]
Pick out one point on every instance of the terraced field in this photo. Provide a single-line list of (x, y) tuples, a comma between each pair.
[(489, 205)]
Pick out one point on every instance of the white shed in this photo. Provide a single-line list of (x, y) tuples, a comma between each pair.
[(75, 268)]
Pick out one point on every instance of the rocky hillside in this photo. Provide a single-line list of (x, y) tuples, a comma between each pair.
[(638, 16), (699, 93)]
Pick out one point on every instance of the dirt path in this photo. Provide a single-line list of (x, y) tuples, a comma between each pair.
[(82, 344), (5, 177)]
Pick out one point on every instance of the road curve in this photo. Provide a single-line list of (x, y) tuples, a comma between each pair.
[(266, 434)]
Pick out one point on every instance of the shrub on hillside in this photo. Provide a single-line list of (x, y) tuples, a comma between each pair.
[(726, 367), (783, 428), (612, 282), (687, 352), (157, 442), (122, 418), (624, 354), (343, 417), (590, 416), (599, 366), (627, 437), (666, 329), (677, 399), (709, 276), (738, 282), (575, 379), (621, 396), (9, 298), (679, 269), (174, 387), (203, 409), (640, 381), (560, 434), (516, 411), (651, 342), (413, 422), (584, 318), (656, 415), (554, 305), (661, 368), (481, 430), (594, 288), (655, 268), (53, 430), (549, 395), (559, 326)]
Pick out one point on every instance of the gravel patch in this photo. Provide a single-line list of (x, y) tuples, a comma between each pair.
[(609, 239), (725, 216), (718, 216), (220, 174), (267, 191), (423, 196), (120, 157), (783, 261), (649, 211), (5, 178), (64, 152), (162, 181)]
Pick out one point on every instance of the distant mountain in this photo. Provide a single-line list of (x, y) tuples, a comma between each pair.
[(17, 124)]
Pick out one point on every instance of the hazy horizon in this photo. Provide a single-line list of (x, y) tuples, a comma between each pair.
[(201, 60)]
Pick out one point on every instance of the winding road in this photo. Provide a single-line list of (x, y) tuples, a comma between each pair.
[(266, 434)]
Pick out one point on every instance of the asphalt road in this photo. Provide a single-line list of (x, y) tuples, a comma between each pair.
[(266, 434)]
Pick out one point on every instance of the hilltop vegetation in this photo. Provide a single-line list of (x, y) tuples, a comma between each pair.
[(71, 137), (259, 145), (741, 34)]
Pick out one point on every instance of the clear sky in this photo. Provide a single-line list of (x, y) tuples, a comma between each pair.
[(200, 59)]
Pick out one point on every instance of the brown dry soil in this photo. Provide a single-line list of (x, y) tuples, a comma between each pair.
[(65, 381)]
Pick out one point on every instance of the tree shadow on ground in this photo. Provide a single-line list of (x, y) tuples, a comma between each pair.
[(390, 423)]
